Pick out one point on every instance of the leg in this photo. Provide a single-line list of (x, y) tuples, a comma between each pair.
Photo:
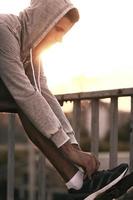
[(65, 168), (63, 158)]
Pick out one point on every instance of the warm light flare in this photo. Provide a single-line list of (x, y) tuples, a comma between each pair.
[(96, 54)]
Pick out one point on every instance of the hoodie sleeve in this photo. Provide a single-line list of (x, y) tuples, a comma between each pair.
[(51, 99), (29, 99)]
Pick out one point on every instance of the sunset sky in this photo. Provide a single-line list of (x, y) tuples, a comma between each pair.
[(97, 53)]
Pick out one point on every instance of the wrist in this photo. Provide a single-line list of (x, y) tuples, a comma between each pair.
[(76, 146), (67, 148)]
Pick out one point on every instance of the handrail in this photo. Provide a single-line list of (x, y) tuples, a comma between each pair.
[(96, 94), (9, 104)]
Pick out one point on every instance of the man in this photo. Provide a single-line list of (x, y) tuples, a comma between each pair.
[(22, 38)]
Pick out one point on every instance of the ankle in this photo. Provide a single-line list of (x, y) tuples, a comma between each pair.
[(76, 182)]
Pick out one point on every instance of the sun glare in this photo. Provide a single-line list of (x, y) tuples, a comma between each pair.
[(99, 48), (96, 54)]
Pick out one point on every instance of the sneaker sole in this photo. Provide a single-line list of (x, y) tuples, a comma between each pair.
[(104, 189), (119, 189)]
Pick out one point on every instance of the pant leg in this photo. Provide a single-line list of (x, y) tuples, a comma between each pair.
[(7, 103), (30, 100)]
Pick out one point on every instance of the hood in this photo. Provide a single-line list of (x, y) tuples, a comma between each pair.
[(39, 18)]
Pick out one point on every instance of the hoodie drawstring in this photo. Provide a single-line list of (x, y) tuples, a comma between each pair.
[(33, 73)]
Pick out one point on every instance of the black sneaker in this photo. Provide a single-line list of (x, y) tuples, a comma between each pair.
[(99, 183), (119, 189)]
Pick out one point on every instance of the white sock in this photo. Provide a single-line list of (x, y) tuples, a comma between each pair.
[(76, 181)]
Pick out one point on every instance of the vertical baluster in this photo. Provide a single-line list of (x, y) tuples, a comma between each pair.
[(77, 118), (42, 178), (95, 126), (131, 136), (113, 132), (32, 172), (11, 161)]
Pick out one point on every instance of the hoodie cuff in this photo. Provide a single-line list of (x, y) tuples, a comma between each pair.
[(72, 138), (60, 138)]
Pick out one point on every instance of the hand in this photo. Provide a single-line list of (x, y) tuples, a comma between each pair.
[(87, 161), (93, 167)]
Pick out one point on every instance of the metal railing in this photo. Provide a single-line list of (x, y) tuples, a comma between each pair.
[(76, 98), (95, 97)]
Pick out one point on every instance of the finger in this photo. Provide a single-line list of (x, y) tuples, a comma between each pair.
[(97, 162), (92, 166)]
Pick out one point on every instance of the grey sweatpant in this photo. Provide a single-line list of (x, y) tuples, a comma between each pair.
[(41, 107)]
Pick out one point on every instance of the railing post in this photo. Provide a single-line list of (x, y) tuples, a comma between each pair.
[(113, 132), (77, 118), (95, 126), (11, 161), (32, 172), (131, 136), (42, 177)]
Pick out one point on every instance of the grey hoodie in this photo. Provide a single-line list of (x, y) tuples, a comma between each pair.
[(23, 75)]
